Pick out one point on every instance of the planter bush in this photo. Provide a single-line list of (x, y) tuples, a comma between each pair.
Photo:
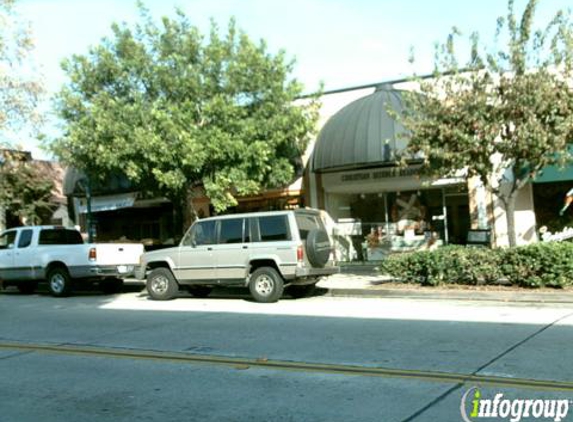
[(537, 265)]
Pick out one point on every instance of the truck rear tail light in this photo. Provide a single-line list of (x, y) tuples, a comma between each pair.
[(92, 254), (300, 253)]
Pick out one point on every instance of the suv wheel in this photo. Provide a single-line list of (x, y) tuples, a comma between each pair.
[(161, 284), (266, 285)]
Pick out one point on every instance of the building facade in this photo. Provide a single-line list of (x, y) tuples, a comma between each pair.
[(381, 208)]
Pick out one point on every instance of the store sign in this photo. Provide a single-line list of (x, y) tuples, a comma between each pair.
[(107, 203), (380, 174)]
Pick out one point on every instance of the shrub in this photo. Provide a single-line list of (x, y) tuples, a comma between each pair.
[(537, 265)]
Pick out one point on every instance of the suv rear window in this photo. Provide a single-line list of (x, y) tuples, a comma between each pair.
[(60, 237), (273, 228), (306, 223)]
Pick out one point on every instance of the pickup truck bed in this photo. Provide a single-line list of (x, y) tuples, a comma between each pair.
[(29, 255)]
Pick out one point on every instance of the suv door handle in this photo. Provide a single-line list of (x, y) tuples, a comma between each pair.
[(245, 247), (209, 249)]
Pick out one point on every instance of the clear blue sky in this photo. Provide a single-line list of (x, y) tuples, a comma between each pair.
[(340, 42)]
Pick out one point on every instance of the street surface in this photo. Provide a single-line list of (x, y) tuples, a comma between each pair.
[(123, 357)]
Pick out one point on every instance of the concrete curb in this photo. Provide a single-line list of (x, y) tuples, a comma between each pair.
[(489, 296)]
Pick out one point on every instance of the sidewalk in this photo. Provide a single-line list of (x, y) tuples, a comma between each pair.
[(367, 283)]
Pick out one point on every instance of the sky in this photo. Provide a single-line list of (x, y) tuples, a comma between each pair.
[(341, 43)]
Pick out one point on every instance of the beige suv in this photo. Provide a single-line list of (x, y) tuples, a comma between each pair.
[(266, 252)]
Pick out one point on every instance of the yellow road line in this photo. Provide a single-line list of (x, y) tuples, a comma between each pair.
[(245, 363)]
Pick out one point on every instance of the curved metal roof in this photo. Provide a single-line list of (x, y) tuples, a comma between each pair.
[(362, 134)]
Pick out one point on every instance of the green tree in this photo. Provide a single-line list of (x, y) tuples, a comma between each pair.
[(175, 110), (20, 88), (25, 191), (505, 113)]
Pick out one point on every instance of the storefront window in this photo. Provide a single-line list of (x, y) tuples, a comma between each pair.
[(392, 222)]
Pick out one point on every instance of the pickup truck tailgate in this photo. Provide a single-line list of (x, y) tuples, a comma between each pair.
[(118, 253)]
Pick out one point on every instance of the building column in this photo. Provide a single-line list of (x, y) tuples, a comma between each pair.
[(478, 204)]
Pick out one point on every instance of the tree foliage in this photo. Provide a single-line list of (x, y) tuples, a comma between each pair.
[(25, 191), (173, 109), (20, 88), (503, 114)]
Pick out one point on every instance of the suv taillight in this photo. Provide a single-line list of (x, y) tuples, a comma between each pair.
[(300, 253), (92, 254)]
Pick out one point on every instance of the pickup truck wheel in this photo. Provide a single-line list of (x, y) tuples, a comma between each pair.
[(59, 282), (200, 291), (161, 285), (266, 285), (298, 292), (27, 287)]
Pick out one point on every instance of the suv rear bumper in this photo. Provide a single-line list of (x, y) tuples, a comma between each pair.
[(301, 272)]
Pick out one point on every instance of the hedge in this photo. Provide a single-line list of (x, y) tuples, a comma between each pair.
[(537, 265)]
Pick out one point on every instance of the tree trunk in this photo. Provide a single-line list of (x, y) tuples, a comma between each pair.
[(188, 208), (510, 218)]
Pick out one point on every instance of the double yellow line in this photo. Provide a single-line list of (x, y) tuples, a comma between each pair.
[(246, 363)]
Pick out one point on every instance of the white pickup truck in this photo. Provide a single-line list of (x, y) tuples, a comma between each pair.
[(59, 256)]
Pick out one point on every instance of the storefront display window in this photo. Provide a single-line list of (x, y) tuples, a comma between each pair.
[(393, 222)]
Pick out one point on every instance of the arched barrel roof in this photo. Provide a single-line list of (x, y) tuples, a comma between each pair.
[(362, 134)]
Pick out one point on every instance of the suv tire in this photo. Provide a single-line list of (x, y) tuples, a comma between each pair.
[(161, 285), (266, 285), (318, 248)]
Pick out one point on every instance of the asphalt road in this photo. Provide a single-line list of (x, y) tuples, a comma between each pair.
[(126, 358)]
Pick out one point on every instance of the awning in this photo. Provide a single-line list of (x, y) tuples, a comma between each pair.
[(107, 203), (551, 174)]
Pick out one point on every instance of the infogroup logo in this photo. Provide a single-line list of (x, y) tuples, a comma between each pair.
[(474, 407)]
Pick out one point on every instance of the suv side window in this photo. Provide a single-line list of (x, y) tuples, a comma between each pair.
[(274, 228), (25, 238), (7, 240), (231, 230), (203, 233)]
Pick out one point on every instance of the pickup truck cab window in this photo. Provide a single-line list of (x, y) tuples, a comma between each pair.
[(7, 240), (60, 237), (25, 239)]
